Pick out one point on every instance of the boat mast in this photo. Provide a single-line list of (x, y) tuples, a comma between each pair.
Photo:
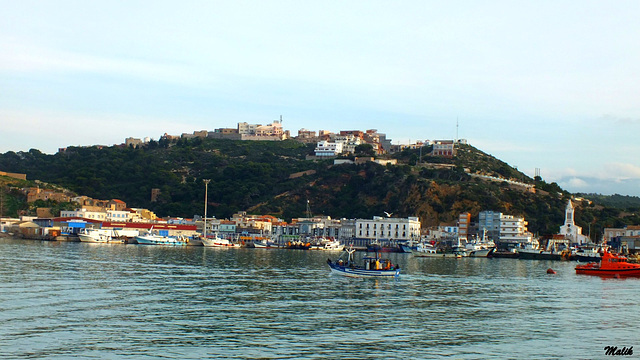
[(206, 190), (1, 208)]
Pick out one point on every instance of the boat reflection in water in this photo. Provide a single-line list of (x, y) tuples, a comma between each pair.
[(372, 266)]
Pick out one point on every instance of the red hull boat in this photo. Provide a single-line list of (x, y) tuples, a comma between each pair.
[(611, 265)]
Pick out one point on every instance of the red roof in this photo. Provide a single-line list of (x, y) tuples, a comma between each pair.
[(136, 225)]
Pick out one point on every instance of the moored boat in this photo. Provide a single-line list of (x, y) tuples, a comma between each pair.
[(153, 239), (426, 250), (97, 236), (264, 244), (611, 265), (373, 266), (218, 242)]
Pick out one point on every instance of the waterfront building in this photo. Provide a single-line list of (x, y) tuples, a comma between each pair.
[(227, 227), (115, 215), (513, 229), (489, 224), (464, 221), (388, 228), (85, 214)]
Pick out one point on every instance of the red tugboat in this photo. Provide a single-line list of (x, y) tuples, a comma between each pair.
[(611, 265)]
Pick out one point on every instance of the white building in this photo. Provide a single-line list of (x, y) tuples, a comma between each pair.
[(83, 213), (349, 142), (388, 228), (513, 229), (325, 148), (570, 230), (118, 216), (245, 128)]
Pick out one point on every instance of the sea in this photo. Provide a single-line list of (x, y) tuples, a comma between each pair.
[(63, 300)]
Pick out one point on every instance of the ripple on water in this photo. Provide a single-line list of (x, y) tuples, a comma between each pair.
[(61, 300)]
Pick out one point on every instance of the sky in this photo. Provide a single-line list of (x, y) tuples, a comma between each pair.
[(549, 85)]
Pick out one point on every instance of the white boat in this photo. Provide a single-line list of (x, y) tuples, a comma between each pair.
[(264, 244), (106, 235), (480, 248), (153, 239), (328, 245), (218, 242), (98, 236), (426, 250)]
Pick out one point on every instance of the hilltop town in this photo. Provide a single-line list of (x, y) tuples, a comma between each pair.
[(340, 148)]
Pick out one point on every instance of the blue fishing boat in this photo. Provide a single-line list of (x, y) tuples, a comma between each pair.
[(372, 266)]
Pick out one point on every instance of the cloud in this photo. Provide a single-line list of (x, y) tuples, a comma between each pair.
[(611, 178), (576, 183), (609, 119)]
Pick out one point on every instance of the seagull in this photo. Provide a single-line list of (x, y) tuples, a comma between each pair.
[(388, 214)]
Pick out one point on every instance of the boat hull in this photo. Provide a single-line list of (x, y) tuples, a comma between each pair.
[(609, 272), (217, 242), (539, 255), (359, 272), (481, 252), (145, 240)]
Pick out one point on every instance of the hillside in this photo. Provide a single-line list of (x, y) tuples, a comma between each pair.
[(256, 177)]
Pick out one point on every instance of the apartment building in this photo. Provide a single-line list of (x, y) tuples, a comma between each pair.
[(388, 228), (513, 229)]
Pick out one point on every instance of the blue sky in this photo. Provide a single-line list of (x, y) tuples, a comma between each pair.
[(540, 84)]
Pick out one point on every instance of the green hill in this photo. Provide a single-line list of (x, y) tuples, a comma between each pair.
[(256, 176)]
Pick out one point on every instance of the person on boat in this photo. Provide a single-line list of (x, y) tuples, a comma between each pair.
[(377, 264)]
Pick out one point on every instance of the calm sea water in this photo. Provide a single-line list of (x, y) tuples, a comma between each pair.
[(62, 300)]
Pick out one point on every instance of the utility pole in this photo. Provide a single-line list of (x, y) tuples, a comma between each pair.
[(206, 196)]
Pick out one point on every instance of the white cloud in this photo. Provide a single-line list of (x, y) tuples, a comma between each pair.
[(577, 183)]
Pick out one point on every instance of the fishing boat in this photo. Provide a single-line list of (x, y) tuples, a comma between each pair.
[(372, 266), (264, 244), (480, 247), (106, 235), (327, 244), (587, 254), (426, 250), (153, 239), (611, 265), (218, 242), (98, 236)]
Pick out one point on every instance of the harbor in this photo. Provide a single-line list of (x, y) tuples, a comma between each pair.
[(94, 300)]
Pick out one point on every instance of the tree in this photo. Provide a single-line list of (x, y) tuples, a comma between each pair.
[(365, 150)]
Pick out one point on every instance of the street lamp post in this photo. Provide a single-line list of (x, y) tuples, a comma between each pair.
[(206, 196)]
